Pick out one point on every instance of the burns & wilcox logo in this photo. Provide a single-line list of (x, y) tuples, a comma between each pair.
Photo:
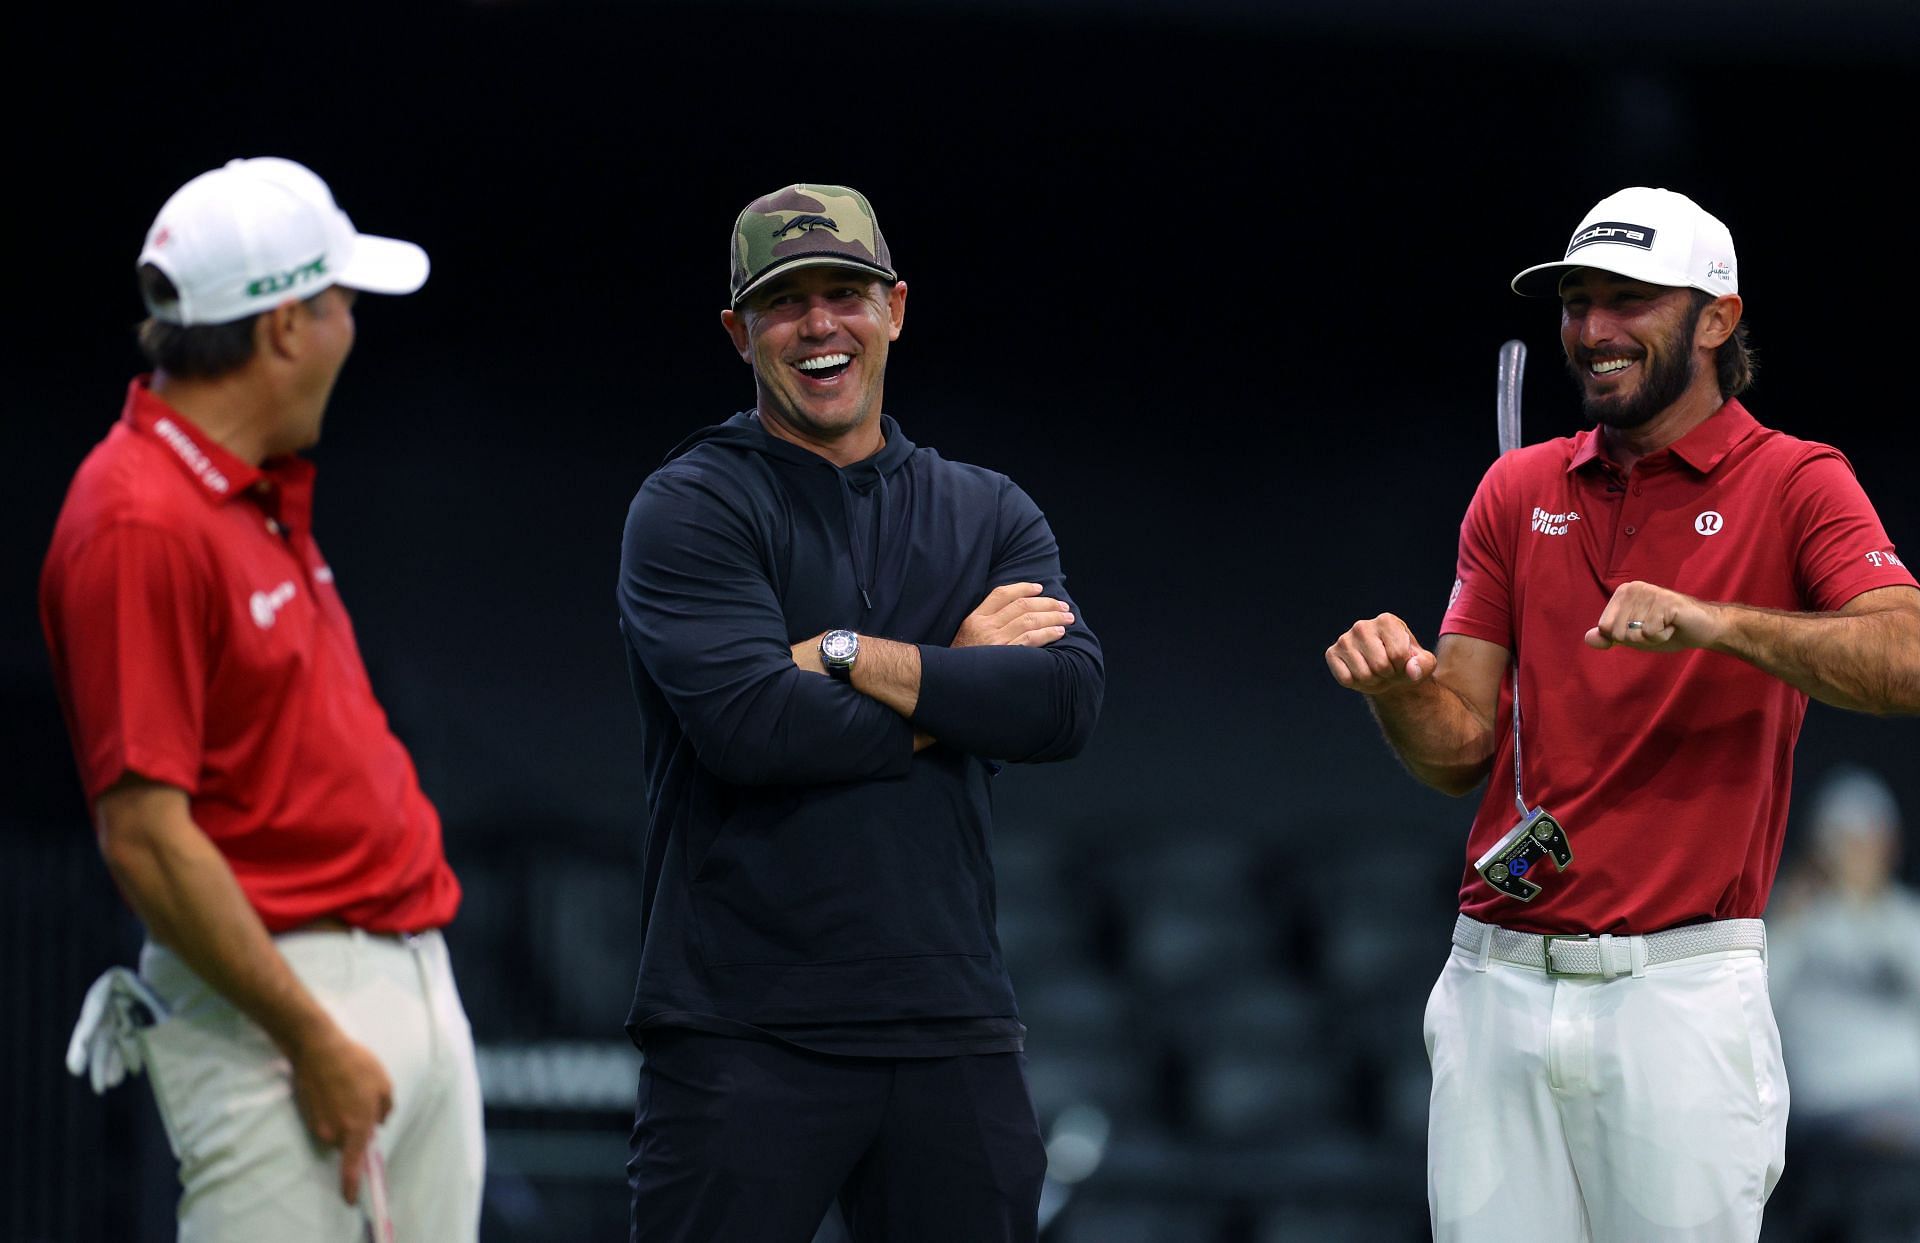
[(1553, 524), (1613, 232)]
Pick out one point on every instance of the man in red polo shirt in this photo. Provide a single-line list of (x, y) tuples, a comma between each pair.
[(1666, 590), (251, 802)]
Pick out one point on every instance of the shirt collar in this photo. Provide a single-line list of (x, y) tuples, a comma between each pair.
[(221, 475), (1703, 448)]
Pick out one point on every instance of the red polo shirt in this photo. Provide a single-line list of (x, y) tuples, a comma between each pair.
[(1669, 771), (197, 640)]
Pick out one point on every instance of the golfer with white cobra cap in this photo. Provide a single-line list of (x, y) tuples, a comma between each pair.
[(1640, 614)]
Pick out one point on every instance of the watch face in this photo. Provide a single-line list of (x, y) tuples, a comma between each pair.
[(839, 645)]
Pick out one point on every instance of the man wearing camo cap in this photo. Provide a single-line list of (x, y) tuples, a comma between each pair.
[(834, 635)]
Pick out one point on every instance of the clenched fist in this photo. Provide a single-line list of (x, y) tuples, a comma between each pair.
[(1379, 656)]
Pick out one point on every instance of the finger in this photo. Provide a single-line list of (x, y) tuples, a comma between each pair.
[(1338, 667), (1054, 616), (1380, 651), (1596, 639), (1041, 637), (353, 1160), (1420, 664), (1006, 593)]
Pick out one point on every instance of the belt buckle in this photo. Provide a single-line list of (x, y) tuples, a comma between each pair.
[(1546, 949)]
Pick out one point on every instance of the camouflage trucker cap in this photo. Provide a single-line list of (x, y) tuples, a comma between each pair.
[(806, 226)]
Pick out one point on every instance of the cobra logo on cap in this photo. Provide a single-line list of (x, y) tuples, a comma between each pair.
[(1612, 232)]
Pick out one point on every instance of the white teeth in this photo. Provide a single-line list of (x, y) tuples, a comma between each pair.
[(1611, 365), (823, 362)]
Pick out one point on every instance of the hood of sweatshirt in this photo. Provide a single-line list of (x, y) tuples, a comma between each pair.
[(862, 486)]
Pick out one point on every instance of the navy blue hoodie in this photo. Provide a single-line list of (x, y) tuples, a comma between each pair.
[(804, 867)]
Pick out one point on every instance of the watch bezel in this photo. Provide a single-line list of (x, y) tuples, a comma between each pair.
[(838, 650)]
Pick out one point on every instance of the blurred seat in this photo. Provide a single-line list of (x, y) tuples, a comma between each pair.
[(1260, 1013), (1121, 1083), (1137, 1221), (1238, 1095), (1045, 938), (1085, 1008), (1185, 943), (1362, 1219), (1210, 868)]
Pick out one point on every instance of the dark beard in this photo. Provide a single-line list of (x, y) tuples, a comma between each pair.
[(1661, 387)]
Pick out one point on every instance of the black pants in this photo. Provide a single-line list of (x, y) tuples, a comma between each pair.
[(747, 1141)]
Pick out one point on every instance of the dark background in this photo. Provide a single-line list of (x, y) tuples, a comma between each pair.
[(1220, 285)]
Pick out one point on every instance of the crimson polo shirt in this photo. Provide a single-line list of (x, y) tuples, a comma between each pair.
[(1670, 771), (198, 640)]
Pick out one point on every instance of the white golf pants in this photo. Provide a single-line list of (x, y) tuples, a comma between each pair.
[(249, 1170), (1646, 1108)]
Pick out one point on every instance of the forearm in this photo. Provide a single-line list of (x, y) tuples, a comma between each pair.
[(1441, 741), (186, 895), (1011, 702), (889, 672), (1867, 661)]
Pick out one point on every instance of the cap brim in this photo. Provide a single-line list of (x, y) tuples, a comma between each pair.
[(812, 261), (1542, 280), (384, 265)]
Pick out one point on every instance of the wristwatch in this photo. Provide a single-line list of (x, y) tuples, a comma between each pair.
[(838, 650)]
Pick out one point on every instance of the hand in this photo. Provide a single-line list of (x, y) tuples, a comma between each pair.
[(343, 1093), (806, 654), (1663, 620), (1379, 656), (1014, 615)]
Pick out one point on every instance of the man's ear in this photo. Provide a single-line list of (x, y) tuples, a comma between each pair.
[(1718, 319), (278, 332), (896, 310), (735, 322)]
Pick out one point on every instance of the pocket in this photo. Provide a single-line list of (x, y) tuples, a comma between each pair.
[(856, 872), (168, 1071)]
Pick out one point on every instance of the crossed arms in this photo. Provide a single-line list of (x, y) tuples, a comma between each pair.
[(1020, 679)]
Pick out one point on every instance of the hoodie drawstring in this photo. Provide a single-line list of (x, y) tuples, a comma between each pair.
[(865, 560)]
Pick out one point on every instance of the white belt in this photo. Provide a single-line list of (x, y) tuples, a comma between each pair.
[(1607, 956)]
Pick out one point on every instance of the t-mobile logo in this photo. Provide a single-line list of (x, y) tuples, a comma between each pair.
[(266, 605)]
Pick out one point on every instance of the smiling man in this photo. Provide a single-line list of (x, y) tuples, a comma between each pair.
[(1666, 591), (834, 635), (251, 801)]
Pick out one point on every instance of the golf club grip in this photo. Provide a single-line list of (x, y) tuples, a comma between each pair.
[(1513, 364)]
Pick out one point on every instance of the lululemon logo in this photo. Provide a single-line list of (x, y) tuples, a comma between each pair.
[(1709, 523)]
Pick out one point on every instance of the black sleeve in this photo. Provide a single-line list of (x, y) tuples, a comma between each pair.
[(1017, 703), (701, 616)]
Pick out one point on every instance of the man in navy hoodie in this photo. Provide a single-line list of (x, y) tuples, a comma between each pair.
[(834, 636)]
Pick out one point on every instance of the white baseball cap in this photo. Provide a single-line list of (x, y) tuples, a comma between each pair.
[(1649, 235), (244, 238)]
